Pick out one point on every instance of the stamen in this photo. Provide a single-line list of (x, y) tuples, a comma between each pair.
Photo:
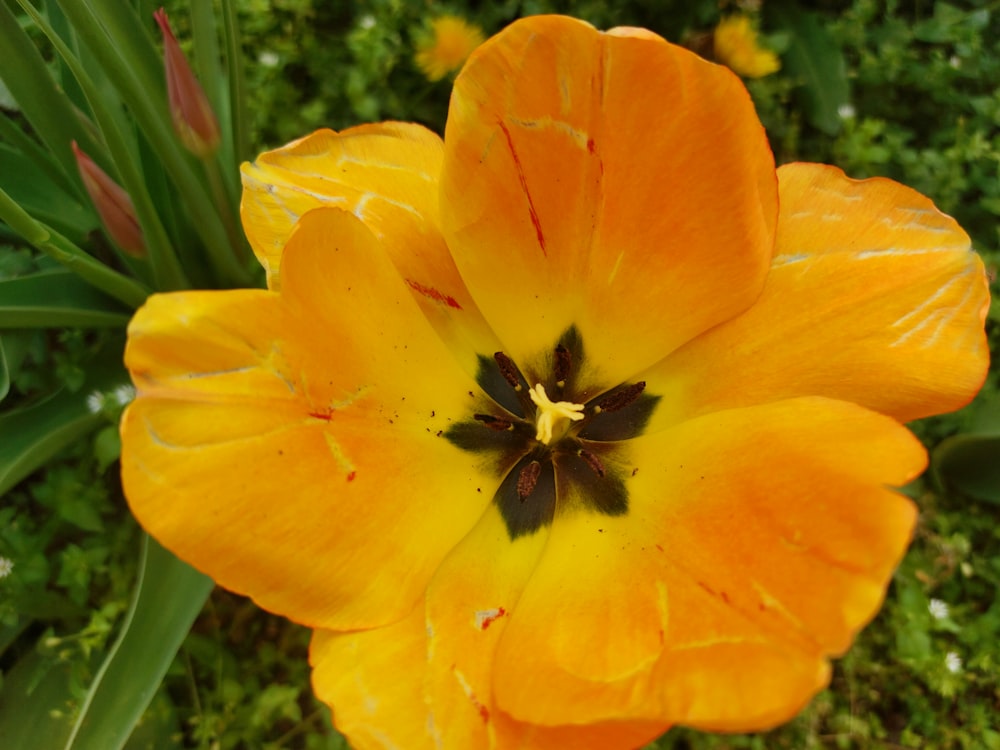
[(494, 423), (621, 397), (551, 413), (509, 370), (528, 479), (592, 461), (564, 363)]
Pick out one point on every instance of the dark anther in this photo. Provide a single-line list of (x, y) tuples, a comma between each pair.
[(509, 370), (564, 361), (592, 461), (494, 423), (527, 480), (621, 396)]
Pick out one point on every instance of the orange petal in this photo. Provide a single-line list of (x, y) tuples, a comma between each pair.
[(288, 444), (469, 603), (758, 541), (612, 181), (874, 297), (387, 175), (373, 680), (427, 681)]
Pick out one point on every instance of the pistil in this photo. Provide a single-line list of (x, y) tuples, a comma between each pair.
[(552, 414)]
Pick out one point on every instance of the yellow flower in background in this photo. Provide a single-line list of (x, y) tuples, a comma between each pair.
[(451, 41), (737, 47), (576, 424)]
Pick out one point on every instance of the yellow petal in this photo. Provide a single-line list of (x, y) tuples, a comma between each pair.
[(386, 174), (612, 181), (469, 604), (758, 541), (290, 444), (373, 681), (874, 297), (427, 680)]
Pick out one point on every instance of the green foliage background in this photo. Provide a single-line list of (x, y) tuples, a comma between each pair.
[(908, 90)]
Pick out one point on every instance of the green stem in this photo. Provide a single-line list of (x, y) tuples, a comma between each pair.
[(65, 252), (224, 207), (154, 119), (167, 270)]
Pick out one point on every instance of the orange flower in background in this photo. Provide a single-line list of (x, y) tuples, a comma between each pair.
[(737, 47), (194, 121), (449, 44), (558, 432), (113, 205)]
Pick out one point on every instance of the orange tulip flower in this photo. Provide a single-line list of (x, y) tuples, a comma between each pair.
[(558, 431)]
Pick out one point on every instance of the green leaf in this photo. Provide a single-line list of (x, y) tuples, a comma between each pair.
[(36, 707), (4, 372), (109, 116), (169, 595), (151, 112), (31, 187), (816, 61), (107, 447), (970, 463), (50, 112), (57, 299), (69, 255), (34, 434)]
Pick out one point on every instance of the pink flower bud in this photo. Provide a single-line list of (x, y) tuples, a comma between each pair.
[(193, 118), (113, 205)]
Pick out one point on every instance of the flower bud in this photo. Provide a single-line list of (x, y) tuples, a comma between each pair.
[(113, 205), (194, 120)]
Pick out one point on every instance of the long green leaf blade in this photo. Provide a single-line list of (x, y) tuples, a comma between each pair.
[(167, 269), (34, 712), (72, 257), (56, 299), (153, 117), (41, 102), (169, 595)]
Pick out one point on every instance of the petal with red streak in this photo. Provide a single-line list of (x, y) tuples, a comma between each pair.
[(611, 181), (290, 444)]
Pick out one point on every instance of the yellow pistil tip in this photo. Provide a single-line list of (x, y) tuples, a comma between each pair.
[(550, 413)]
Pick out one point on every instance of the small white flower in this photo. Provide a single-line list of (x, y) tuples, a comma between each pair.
[(123, 395), (367, 21), (6, 566), (938, 609), (953, 662), (95, 402), (846, 111), (955, 61), (268, 59)]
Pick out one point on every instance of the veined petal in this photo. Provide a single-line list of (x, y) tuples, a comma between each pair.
[(373, 680), (386, 174), (426, 681), (874, 297), (764, 538), (611, 181), (469, 602), (289, 444)]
